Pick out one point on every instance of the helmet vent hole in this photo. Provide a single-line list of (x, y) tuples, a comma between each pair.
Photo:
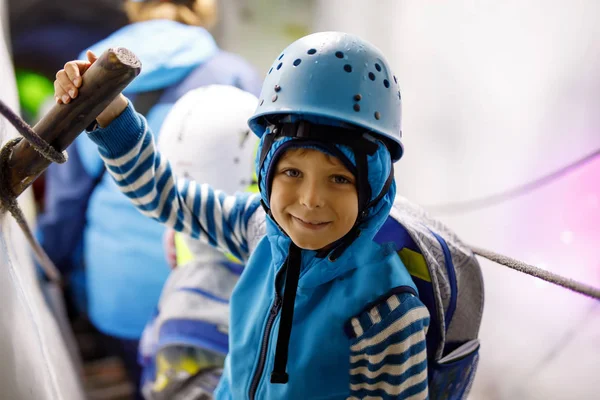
[(377, 115), (311, 51), (399, 97), (395, 80), (371, 76), (274, 98), (262, 101), (386, 83), (280, 57), (297, 62), (357, 97), (348, 68), (339, 54), (378, 67), (271, 70), (357, 107), (279, 66)]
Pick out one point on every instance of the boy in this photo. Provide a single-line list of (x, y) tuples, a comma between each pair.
[(321, 310)]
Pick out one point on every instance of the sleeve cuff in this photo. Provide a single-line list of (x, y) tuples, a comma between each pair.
[(121, 135)]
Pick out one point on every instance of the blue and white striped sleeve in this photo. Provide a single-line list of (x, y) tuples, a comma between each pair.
[(388, 354), (129, 152)]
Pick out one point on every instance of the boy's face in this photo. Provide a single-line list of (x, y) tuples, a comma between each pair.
[(313, 198)]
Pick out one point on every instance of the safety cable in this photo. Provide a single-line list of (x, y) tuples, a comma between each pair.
[(462, 207), (539, 273)]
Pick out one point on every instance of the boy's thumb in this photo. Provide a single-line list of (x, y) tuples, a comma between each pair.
[(91, 56)]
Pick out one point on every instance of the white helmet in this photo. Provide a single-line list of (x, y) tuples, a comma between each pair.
[(206, 137)]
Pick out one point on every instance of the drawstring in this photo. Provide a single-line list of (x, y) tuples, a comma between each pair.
[(293, 262)]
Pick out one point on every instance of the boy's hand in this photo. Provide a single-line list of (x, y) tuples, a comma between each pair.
[(67, 84)]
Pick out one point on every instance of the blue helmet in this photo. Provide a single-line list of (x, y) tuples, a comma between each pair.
[(333, 78)]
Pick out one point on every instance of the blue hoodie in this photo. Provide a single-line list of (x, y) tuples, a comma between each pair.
[(123, 252), (358, 328)]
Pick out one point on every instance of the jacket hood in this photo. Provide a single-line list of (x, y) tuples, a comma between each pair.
[(316, 269), (168, 50)]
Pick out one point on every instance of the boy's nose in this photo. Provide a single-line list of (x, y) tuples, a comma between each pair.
[(311, 195)]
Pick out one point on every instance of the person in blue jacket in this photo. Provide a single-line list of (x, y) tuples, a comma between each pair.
[(321, 310), (121, 250)]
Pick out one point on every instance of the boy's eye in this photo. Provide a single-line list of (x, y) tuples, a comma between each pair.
[(341, 180), (292, 173)]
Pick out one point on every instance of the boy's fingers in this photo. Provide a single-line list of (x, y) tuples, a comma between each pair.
[(72, 69), (75, 69), (67, 89), (59, 93), (72, 72)]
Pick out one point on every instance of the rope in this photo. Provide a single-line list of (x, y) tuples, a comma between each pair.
[(462, 207), (8, 200), (39, 144), (539, 273)]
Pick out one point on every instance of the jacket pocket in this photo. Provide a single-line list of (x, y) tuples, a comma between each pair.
[(452, 376)]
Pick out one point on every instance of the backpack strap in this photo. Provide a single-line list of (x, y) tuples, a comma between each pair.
[(456, 277), (412, 258), (451, 280)]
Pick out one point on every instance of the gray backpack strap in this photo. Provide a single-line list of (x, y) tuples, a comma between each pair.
[(455, 273)]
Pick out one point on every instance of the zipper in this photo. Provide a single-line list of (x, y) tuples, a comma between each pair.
[(264, 347)]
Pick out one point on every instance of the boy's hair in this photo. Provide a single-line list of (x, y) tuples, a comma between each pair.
[(303, 151), (190, 12)]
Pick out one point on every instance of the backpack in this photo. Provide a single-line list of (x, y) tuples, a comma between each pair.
[(183, 347), (450, 284)]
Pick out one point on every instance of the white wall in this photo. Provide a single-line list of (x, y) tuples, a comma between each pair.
[(259, 29), (495, 95), (34, 363)]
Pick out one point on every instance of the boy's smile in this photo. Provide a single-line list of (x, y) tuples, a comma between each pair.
[(313, 198), (311, 224)]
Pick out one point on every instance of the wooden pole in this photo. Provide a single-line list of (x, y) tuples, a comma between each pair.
[(102, 82)]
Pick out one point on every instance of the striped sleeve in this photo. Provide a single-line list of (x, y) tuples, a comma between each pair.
[(388, 355), (129, 152)]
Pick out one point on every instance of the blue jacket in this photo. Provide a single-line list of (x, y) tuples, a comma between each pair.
[(358, 329), (122, 250)]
